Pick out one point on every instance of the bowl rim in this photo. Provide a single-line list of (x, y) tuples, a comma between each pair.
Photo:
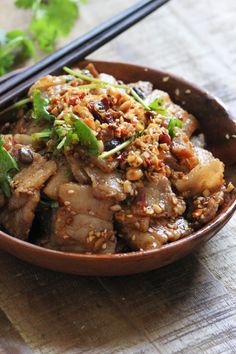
[(224, 215)]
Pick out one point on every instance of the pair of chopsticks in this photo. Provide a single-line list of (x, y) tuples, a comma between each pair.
[(76, 50)]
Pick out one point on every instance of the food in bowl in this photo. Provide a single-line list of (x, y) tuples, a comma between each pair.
[(93, 165)]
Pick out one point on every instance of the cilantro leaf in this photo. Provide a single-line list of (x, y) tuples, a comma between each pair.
[(14, 47), (40, 105), (7, 166), (53, 20), (86, 136), (174, 123)]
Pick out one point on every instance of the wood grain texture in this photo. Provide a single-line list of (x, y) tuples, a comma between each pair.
[(188, 307)]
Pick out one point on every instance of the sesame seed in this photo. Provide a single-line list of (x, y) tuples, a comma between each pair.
[(165, 79), (71, 191), (177, 92), (227, 136)]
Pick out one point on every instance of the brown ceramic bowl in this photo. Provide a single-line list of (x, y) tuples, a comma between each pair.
[(215, 122)]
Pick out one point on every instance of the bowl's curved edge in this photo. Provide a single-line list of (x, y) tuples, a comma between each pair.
[(134, 262)]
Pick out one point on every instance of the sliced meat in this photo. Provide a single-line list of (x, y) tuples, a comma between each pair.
[(182, 149), (82, 223), (106, 166), (18, 215), (77, 168), (33, 177), (207, 175), (126, 217), (62, 176), (83, 233), (106, 186), (190, 124), (157, 200), (160, 233), (81, 200)]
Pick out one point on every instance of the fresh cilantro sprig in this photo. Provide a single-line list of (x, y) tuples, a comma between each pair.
[(7, 167), (51, 20), (40, 105), (15, 46)]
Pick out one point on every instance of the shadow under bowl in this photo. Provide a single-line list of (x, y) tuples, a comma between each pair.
[(216, 123)]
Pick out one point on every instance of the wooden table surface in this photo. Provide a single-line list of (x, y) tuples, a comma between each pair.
[(187, 307)]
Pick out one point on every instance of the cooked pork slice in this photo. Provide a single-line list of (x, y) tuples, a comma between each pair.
[(62, 176), (182, 149), (157, 200), (126, 217), (47, 82), (208, 175), (82, 222), (77, 168), (190, 124), (106, 186), (33, 176), (83, 233), (80, 200), (18, 215), (160, 233), (104, 165)]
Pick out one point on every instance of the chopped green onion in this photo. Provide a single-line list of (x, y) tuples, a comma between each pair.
[(120, 147), (61, 144), (157, 106), (173, 123)]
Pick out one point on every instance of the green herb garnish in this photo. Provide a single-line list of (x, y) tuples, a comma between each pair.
[(86, 136), (7, 167), (50, 20), (104, 84), (40, 105), (157, 106), (173, 124), (14, 47), (120, 147)]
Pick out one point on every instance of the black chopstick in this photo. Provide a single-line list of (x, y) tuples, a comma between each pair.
[(74, 45), (84, 50)]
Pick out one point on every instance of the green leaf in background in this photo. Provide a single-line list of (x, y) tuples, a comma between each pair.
[(7, 166), (40, 105), (51, 20), (15, 46)]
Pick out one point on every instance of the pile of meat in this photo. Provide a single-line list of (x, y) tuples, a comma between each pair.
[(156, 190)]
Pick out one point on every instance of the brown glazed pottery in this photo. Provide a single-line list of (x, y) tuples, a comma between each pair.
[(218, 126)]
